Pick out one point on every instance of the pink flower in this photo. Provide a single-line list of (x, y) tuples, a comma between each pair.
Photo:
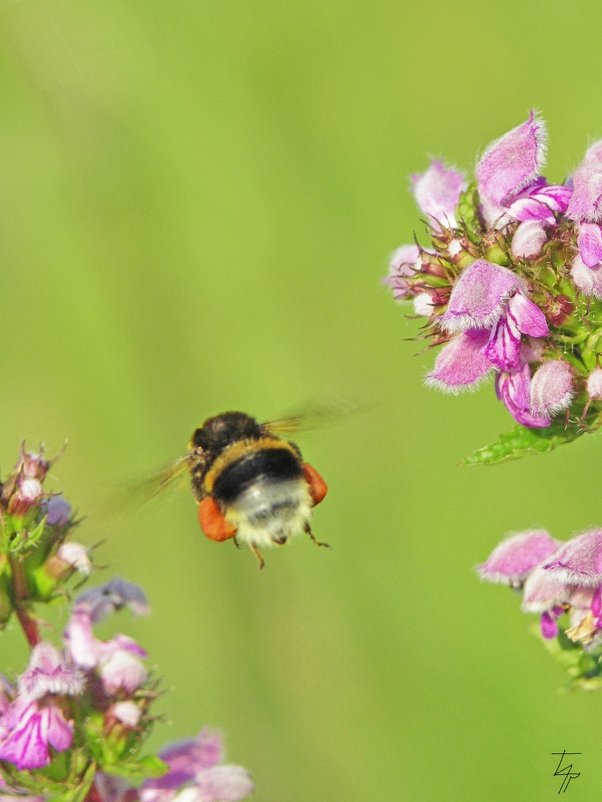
[(579, 561), (404, 263), (514, 558), (508, 177), (489, 308), (48, 672), (587, 279), (586, 200), (195, 776), (594, 384), (29, 728), (437, 192), (551, 388), (528, 240), (34, 722)]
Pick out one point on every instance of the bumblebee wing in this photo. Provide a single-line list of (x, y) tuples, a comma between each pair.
[(313, 416), (162, 481)]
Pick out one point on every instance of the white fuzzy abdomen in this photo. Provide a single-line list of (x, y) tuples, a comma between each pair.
[(269, 513)]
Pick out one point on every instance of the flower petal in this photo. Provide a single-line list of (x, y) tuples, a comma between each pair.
[(514, 558), (590, 244), (529, 238), (586, 200), (479, 296), (528, 316), (587, 279), (579, 561), (403, 263), (437, 192), (551, 388), (512, 162), (513, 389), (461, 363)]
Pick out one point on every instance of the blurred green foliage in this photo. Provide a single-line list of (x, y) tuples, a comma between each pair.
[(197, 199)]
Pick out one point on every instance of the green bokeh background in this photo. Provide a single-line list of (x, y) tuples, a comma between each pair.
[(197, 199)]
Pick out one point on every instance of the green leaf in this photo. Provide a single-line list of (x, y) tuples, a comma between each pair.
[(521, 441), (141, 769)]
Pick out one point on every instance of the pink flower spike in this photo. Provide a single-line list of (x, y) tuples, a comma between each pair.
[(479, 297), (586, 200), (511, 562), (529, 238), (461, 364), (579, 561), (551, 388), (48, 672), (513, 388), (590, 244), (511, 163), (594, 384), (404, 263), (437, 192)]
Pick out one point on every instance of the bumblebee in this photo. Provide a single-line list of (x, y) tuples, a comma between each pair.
[(251, 485)]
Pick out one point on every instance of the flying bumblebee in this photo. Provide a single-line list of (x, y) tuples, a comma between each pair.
[(250, 484)]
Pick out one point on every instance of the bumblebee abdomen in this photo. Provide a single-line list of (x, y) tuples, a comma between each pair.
[(261, 465)]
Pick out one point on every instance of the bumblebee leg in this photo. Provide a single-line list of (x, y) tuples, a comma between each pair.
[(313, 539), (258, 554), (235, 541)]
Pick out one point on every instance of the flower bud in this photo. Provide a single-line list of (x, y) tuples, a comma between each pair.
[(551, 388), (594, 384)]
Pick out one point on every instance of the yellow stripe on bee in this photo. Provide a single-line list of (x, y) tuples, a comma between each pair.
[(238, 450)]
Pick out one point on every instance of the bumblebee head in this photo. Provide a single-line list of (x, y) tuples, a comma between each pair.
[(221, 431)]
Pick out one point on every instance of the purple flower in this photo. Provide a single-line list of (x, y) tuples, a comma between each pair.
[(29, 728), (547, 596), (100, 601), (34, 721), (514, 558), (509, 182), (437, 192), (195, 776), (514, 389), (58, 511)]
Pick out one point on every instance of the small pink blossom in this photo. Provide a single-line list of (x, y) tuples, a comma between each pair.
[(404, 263), (437, 192), (529, 238), (579, 561), (589, 240), (462, 363), (119, 669), (587, 279), (76, 556), (514, 558), (586, 200), (28, 729), (514, 389), (49, 673), (551, 388), (127, 713), (594, 384)]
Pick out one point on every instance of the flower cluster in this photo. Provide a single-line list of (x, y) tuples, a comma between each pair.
[(511, 282), (74, 722), (562, 583)]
